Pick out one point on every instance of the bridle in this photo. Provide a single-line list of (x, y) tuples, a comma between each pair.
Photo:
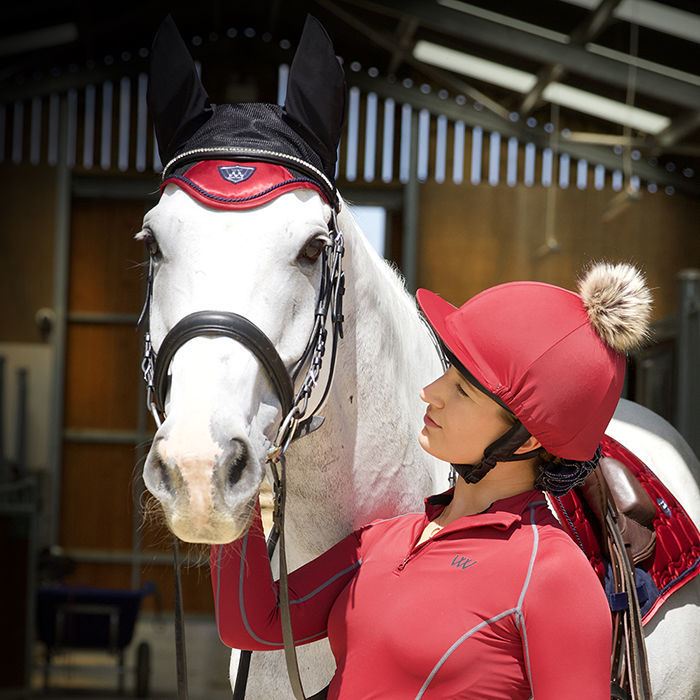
[(297, 419)]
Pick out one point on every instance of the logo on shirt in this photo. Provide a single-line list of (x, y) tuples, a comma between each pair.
[(236, 173), (462, 562)]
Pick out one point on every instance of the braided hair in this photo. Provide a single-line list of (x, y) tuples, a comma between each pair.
[(558, 476)]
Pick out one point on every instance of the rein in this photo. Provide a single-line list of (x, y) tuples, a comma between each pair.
[(295, 423)]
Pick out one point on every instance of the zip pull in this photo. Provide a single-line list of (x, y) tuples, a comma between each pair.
[(408, 558), (415, 549)]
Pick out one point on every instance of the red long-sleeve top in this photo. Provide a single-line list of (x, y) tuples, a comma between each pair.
[(502, 604)]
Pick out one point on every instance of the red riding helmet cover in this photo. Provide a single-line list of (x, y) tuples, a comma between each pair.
[(538, 348)]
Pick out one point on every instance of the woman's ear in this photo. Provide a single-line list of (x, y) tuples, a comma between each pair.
[(532, 443)]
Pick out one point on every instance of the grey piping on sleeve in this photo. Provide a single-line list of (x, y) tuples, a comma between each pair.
[(327, 583), (241, 601), (535, 547)]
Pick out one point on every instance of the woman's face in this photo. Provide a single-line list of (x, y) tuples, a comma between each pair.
[(460, 421)]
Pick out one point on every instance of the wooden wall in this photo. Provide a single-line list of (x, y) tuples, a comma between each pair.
[(472, 237), (102, 382), (26, 249)]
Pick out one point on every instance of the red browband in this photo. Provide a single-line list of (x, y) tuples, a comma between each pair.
[(225, 184)]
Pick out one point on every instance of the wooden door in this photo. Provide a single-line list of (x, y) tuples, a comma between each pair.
[(106, 430)]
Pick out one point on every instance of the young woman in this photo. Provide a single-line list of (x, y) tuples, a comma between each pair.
[(483, 595)]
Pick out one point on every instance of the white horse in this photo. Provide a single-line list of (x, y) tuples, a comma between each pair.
[(673, 635), (207, 460)]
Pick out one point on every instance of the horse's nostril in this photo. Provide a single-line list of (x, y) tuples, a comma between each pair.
[(163, 475), (235, 460)]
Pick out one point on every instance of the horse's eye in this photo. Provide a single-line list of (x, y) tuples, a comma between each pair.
[(313, 249), (151, 244)]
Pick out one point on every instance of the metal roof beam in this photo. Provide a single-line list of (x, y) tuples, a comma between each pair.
[(594, 154), (44, 38), (585, 32), (646, 144), (595, 23), (661, 17), (440, 77), (405, 33), (678, 129), (542, 49)]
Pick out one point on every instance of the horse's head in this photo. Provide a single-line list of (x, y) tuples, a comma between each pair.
[(240, 228)]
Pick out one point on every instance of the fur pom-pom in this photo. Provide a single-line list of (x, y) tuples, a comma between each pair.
[(618, 303)]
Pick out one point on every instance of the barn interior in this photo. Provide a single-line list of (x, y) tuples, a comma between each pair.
[(486, 141)]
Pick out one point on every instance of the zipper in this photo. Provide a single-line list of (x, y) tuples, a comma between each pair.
[(402, 565), (414, 551)]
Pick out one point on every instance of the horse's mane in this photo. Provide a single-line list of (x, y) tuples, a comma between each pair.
[(387, 269), (393, 329)]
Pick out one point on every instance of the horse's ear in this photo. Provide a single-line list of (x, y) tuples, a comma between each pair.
[(316, 93), (178, 102)]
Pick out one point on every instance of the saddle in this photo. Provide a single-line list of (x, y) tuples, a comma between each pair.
[(642, 545), (613, 483)]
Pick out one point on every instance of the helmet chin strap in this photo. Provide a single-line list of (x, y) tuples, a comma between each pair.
[(500, 450)]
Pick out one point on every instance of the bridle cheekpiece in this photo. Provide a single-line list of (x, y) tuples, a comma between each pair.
[(297, 420), (299, 138), (296, 417)]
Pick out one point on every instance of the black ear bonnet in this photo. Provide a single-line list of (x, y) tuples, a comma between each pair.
[(190, 129)]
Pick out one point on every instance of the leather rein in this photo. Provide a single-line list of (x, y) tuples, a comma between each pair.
[(297, 420)]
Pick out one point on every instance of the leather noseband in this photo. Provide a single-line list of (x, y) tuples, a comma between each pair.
[(228, 325)]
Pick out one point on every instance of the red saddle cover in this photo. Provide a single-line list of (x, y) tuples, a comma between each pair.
[(676, 557)]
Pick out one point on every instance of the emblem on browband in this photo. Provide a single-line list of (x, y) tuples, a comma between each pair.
[(236, 173)]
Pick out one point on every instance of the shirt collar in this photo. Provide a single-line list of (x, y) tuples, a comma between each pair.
[(501, 514)]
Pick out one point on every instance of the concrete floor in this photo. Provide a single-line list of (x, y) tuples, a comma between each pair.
[(94, 674)]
